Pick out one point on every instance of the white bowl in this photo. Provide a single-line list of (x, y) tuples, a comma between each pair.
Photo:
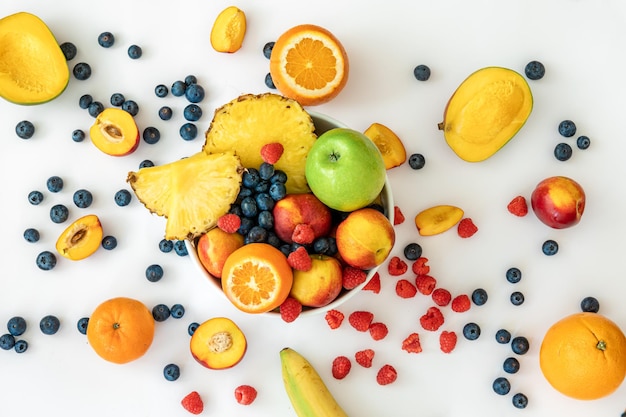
[(322, 123)]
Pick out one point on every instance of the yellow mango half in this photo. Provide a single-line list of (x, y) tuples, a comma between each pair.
[(437, 219), (33, 69), (485, 112)]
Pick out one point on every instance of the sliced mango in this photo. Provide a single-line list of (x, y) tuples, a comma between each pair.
[(485, 112), (388, 143), (437, 219), (228, 30), (81, 238)]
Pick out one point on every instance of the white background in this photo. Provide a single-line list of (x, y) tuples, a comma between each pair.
[(581, 44)]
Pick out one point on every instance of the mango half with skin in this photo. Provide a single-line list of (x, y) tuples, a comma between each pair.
[(81, 238), (485, 112), (33, 69)]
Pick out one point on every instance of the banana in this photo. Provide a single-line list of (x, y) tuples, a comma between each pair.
[(307, 392)]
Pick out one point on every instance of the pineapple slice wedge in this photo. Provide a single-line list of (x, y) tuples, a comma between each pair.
[(192, 193), (250, 121)]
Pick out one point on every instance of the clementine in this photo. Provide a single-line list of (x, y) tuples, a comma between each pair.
[(309, 64), (256, 278), (583, 356), (120, 330)]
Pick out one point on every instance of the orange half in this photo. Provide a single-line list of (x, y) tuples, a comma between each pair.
[(309, 64), (256, 278)]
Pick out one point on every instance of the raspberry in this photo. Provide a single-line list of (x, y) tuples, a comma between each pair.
[(412, 343), (193, 403), (441, 297), (461, 303), (425, 284), (396, 266), (364, 358), (419, 267), (405, 289), (299, 259), (466, 228), (334, 318), (361, 320), (290, 309), (373, 284), (518, 206), (303, 234), (229, 223), (245, 394), (341, 367), (398, 217), (378, 331), (352, 277), (447, 341), (271, 152), (432, 320), (386, 375)]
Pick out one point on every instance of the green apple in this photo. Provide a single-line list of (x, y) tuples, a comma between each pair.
[(345, 170)]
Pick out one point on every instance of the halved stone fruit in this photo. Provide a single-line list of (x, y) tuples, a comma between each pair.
[(115, 132), (218, 343), (81, 238), (485, 112), (388, 143), (437, 219), (228, 30), (33, 69)]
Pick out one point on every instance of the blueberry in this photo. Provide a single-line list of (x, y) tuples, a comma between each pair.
[(421, 72), (24, 129), (122, 197), (171, 372), (251, 178), (54, 184), (95, 108), (273, 239), (165, 113), (279, 177), (82, 198), (177, 311), (517, 298), (178, 88), (154, 273), (534, 70), (82, 324), (31, 235), (503, 336), (520, 400), (166, 246), (520, 345), (246, 225), (131, 107), (188, 131), (16, 326), (35, 197), (106, 39), (583, 142), (590, 305), (191, 329), (562, 151), (266, 220), (7, 341), (513, 275), (471, 331), (146, 163), (84, 101), (69, 50), (135, 52), (567, 128), (321, 245), (249, 207), (277, 191), (510, 365), (256, 234), (417, 161), (78, 135), (479, 296), (109, 242), (412, 251), (501, 386), (262, 187), (151, 135), (550, 247), (161, 90), (267, 49), (194, 93), (266, 171), (192, 112), (59, 213), (180, 248), (243, 193), (160, 312), (21, 346), (264, 201), (269, 81), (191, 79), (82, 71), (49, 324)]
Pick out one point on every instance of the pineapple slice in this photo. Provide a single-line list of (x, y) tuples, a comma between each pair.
[(250, 121), (192, 193)]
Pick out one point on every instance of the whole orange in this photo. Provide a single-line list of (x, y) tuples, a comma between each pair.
[(120, 330), (583, 356)]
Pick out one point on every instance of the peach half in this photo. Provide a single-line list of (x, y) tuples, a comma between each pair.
[(218, 343), (115, 132), (81, 238)]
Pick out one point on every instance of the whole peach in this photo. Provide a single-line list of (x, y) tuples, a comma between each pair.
[(320, 285), (297, 209), (558, 202), (214, 247)]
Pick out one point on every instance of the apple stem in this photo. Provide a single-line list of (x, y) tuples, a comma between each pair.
[(334, 157)]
